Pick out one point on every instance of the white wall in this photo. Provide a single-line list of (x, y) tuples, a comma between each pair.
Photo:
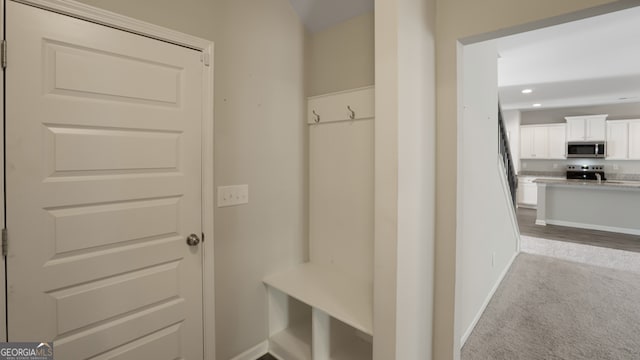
[(486, 235), (260, 137), (404, 178), (473, 21)]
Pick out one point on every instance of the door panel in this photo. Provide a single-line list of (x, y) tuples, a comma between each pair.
[(103, 186)]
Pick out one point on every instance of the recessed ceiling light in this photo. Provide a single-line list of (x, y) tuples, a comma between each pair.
[(537, 105), (527, 91)]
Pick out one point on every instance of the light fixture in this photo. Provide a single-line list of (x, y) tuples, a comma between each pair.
[(537, 105), (527, 91)]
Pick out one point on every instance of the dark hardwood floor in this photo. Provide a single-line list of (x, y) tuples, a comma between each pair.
[(266, 356), (527, 219)]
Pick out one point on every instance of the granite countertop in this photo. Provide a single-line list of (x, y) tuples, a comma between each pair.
[(626, 184), (545, 174)]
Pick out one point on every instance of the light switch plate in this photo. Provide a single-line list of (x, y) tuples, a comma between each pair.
[(233, 195)]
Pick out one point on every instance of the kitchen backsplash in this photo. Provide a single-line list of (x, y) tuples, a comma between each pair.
[(620, 170), (543, 173)]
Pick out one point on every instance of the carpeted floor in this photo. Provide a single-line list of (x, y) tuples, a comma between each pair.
[(548, 308)]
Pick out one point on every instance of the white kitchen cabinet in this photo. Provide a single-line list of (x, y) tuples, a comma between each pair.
[(542, 141), (527, 138), (527, 191), (557, 135), (586, 128), (634, 139), (623, 139), (617, 140)]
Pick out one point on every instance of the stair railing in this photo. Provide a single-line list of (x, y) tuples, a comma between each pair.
[(507, 159)]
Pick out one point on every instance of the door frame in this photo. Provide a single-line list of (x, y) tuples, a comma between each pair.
[(3, 274), (205, 47)]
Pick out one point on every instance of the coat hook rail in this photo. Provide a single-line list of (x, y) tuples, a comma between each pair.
[(352, 114)]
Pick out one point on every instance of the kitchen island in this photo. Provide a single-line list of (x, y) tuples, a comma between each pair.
[(608, 205)]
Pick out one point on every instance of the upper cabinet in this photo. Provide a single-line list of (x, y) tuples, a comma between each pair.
[(623, 140), (586, 128), (634, 139), (542, 141), (617, 140), (557, 141)]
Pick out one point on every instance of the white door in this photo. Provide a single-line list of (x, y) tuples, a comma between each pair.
[(103, 169)]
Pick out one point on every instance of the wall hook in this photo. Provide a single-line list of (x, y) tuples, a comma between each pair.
[(352, 114), (317, 117)]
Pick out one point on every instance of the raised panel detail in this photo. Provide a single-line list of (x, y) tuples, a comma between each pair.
[(102, 338), (93, 73), (62, 271), (87, 150), (95, 225), (161, 345), (89, 303)]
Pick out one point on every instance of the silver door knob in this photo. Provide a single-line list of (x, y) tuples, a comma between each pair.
[(193, 240)]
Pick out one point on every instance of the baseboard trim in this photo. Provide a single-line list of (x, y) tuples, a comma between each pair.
[(594, 227), (541, 222), (254, 353), (467, 333), (276, 355), (527, 206)]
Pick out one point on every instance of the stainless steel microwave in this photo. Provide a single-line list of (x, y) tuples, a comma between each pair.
[(586, 149)]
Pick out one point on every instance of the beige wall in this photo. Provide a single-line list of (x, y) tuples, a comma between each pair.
[(456, 20), (404, 178), (341, 57), (192, 17), (260, 140)]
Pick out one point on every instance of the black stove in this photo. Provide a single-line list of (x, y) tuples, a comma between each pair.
[(585, 172)]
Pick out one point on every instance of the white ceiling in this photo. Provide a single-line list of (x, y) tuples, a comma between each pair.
[(589, 62), (318, 15)]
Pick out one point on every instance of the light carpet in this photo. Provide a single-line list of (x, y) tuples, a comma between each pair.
[(586, 254), (548, 308)]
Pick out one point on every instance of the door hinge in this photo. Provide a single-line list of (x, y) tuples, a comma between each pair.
[(5, 243), (206, 59), (4, 54)]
